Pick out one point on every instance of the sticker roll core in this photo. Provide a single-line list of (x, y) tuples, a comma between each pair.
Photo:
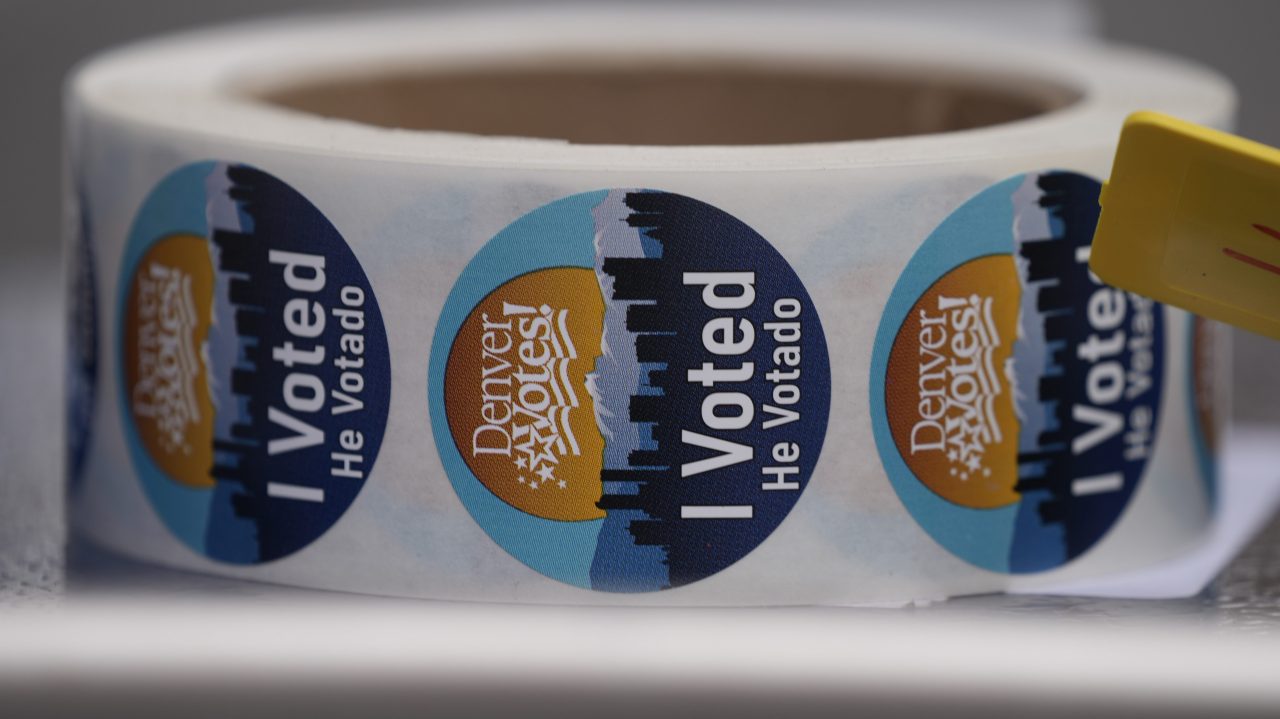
[(624, 307)]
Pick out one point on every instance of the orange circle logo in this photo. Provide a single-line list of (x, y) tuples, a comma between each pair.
[(514, 392)]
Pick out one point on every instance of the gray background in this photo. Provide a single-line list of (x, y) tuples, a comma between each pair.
[(40, 40)]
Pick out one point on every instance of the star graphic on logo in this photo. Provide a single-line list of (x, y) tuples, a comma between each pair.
[(520, 462), (974, 463), (546, 473), (561, 484)]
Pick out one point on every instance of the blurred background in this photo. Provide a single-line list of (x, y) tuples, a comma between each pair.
[(41, 40)]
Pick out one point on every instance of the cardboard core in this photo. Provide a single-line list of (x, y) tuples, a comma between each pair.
[(676, 105)]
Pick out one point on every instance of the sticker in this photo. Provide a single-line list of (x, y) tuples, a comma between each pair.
[(82, 347), (1204, 337), (254, 374), (1014, 397), (629, 389)]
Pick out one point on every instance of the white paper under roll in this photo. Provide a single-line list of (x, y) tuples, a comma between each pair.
[(709, 352)]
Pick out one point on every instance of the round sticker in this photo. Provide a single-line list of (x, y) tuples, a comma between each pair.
[(254, 376), (1014, 397), (629, 389)]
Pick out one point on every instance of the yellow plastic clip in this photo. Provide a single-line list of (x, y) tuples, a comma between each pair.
[(1191, 217)]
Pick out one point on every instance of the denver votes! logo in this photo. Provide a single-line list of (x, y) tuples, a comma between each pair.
[(1014, 396), (629, 389), (254, 374)]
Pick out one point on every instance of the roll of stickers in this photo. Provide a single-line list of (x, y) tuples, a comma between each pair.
[(624, 307)]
